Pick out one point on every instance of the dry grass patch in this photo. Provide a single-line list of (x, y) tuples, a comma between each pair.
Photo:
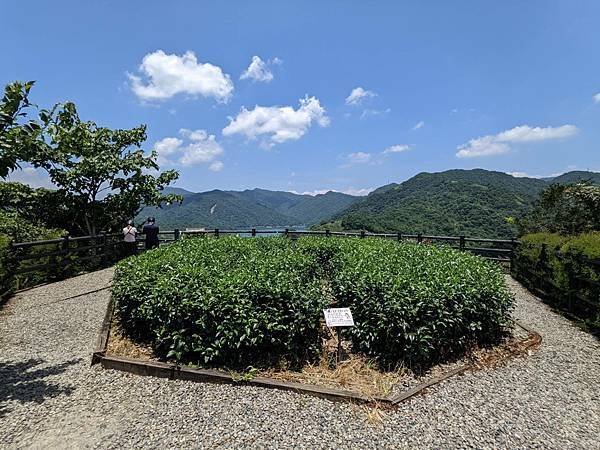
[(356, 374), (120, 345)]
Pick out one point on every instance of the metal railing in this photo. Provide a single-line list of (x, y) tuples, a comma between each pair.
[(40, 261)]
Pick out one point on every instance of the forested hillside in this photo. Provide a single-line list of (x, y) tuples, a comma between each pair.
[(250, 208), (576, 176), (470, 202)]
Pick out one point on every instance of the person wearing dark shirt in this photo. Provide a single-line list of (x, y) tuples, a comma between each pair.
[(151, 231)]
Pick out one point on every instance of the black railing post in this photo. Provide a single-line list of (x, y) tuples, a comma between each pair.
[(571, 279), (176, 234), (65, 254), (399, 237), (103, 249), (362, 233), (13, 266), (327, 233), (542, 266), (253, 232), (461, 244), (511, 255), (419, 238)]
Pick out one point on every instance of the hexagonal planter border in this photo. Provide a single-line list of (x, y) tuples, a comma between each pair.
[(177, 372)]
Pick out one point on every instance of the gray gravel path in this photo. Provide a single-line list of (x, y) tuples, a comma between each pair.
[(50, 397)]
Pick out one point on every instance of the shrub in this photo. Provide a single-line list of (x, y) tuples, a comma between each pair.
[(21, 230), (18, 229), (419, 303), (586, 244), (5, 272), (237, 302), (227, 302), (566, 270), (567, 209)]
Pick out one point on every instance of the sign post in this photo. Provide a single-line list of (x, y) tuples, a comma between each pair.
[(338, 318)]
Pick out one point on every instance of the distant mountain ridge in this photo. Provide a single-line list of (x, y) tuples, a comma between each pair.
[(249, 208), (475, 202), (575, 176)]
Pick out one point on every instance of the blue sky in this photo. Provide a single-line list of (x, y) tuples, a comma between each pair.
[(511, 86)]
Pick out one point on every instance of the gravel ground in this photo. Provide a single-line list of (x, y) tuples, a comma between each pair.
[(50, 396)]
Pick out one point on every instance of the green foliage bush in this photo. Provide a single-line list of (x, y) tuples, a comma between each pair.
[(566, 268), (226, 302), (18, 229), (568, 209), (419, 303), (21, 230), (5, 273), (239, 302)]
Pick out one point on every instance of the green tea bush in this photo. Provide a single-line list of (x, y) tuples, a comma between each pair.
[(419, 303), (223, 302), (236, 302)]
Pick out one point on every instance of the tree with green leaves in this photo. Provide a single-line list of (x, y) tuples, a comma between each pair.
[(38, 206), (15, 137), (103, 175), (568, 209)]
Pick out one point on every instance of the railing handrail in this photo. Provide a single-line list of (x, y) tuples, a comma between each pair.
[(68, 250), (254, 231)]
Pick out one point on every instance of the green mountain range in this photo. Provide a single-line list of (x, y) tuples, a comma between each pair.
[(478, 203), (246, 209)]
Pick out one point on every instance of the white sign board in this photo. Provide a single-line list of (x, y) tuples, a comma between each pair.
[(338, 317)]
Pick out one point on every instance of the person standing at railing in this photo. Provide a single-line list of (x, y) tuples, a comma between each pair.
[(151, 231), (129, 234)]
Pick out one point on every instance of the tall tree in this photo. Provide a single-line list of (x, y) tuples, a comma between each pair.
[(566, 209), (15, 137), (103, 175)]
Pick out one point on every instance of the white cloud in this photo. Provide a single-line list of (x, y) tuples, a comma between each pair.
[(597, 98), (397, 148), (216, 166), (280, 123), (419, 125), (520, 175), (349, 191), (258, 70), (358, 191), (498, 144), (33, 177), (167, 146), (359, 158), (199, 147), (528, 175), (526, 133), (374, 112), (313, 193), (164, 76), (357, 95), (483, 146)]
